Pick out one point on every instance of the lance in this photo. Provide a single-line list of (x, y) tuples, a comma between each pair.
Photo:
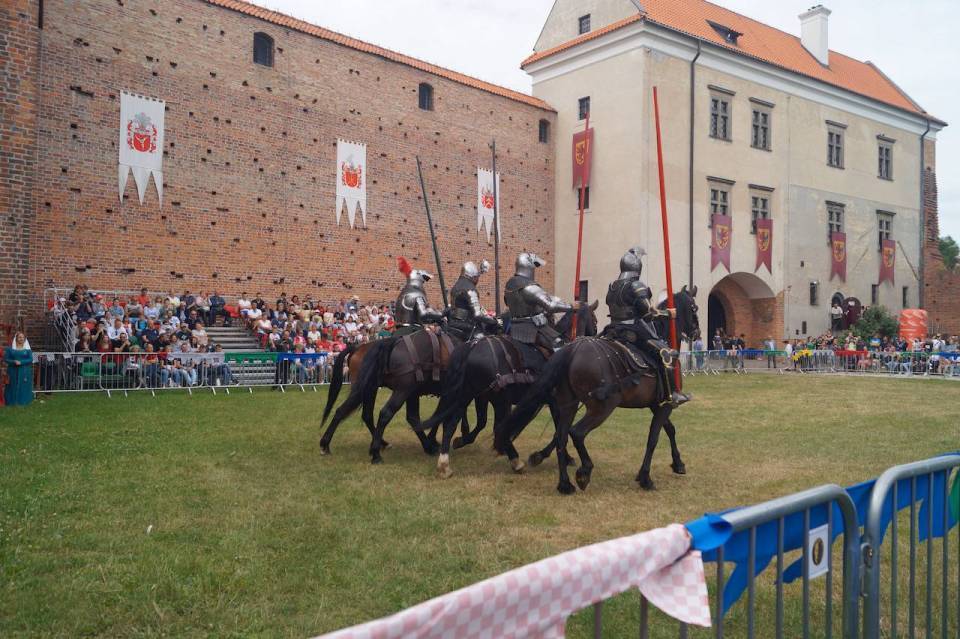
[(584, 179), (433, 236), (666, 239), (496, 230)]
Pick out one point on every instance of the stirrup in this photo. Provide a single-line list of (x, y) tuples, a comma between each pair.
[(667, 356), (679, 398)]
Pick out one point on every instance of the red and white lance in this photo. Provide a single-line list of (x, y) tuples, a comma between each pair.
[(582, 154)]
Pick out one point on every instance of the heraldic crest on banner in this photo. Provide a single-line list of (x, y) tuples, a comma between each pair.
[(141, 143), (351, 180), (485, 201)]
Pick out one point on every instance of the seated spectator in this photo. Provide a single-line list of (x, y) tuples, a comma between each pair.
[(199, 333), (217, 309), (99, 311), (220, 372), (264, 328), (115, 310), (143, 299), (151, 366), (115, 331), (244, 305), (153, 310), (193, 319), (258, 302)]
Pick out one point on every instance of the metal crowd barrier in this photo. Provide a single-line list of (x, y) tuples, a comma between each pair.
[(821, 361), (124, 372)]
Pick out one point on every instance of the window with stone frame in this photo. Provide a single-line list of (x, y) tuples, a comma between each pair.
[(835, 211), (835, 144), (760, 125), (583, 107), (884, 158), (884, 227), (719, 197), (759, 206), (544, 131), (720, 114), (583, 24)]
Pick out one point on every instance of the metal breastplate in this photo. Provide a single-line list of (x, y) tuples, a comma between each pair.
[(621, 300), (406, 307), (512, 296), (461, 308)]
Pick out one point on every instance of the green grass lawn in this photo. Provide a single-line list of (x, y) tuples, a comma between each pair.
[(216, 516)]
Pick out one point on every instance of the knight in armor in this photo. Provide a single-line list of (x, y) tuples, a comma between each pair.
[(412, 310), (531, 307), (631, 320), (466, 318)]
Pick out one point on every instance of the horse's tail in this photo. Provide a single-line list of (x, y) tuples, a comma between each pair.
[(336, 382), (538, 394), (368, 379), (454, 380)]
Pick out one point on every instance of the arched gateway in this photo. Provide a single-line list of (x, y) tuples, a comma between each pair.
[(742, 303)]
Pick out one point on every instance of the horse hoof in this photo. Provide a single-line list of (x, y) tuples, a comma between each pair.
[(517, 465), (566, 488), (535, 459), (376, 460), (324, 449), (679, 469), (444, 472), (457, 443), (583, 478), (646, 483)]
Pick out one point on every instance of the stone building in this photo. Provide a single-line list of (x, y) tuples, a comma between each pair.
[(249, 155), (757, 123)]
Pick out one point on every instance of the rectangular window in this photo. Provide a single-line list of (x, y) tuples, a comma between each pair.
[(583, 24), (583, 290), (814, 296), (720, 116), (884, 227), (544, 132), (874, 294), (583, 107), (425, 96), (835, 144), (905, 297), (760, 134), (586, 199), (885, 161), (719, 200), (759, 209), (834, 218)]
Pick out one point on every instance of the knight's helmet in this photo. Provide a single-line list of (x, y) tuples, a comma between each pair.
[(631, 264), (527, 263), (473, 272), (415, 277)]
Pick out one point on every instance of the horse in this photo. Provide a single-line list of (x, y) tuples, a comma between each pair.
[(600, 374), (491, 369), (410, 366)]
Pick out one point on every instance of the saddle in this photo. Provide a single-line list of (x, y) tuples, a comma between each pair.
[(419, 365), (635, 363), (512, 355)]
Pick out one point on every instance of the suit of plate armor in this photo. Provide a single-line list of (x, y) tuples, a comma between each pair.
[(466, 317), (412, 310), (631, 315), (531, 307)]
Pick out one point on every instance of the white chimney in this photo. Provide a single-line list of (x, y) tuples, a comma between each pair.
[(813, 33)]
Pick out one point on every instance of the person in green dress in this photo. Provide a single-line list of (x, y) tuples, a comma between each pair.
[(19, 359)]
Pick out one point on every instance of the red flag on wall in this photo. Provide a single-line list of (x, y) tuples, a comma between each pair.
[(838, 255), (720, 247), (582, 152), (888, 259), (764, 244)]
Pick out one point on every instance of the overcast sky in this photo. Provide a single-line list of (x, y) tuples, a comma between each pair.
[(915, 43)]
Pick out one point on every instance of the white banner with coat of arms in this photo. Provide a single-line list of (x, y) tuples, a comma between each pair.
[(351, 180), (141, 142), (485, 201)]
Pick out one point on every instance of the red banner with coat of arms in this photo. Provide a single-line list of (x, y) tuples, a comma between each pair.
[(764, 244), (838, 255), (582, 153), (720, 246), (888, 260)]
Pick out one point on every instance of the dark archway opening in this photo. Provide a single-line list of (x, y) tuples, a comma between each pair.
[(716, 318)]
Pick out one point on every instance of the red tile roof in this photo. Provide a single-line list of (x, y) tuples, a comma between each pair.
[(289, 22), (759, 41)]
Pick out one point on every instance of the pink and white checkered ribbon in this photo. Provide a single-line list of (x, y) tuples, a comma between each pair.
[(535, 600)]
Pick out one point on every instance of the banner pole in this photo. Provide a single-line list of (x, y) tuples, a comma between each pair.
[(666, 239), (496, 230), (584, 178), (433, 236)]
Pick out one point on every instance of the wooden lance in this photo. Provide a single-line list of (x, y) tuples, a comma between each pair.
[(433, 236), (666, 240)]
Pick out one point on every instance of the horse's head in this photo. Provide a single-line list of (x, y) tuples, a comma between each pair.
[(688, 322), (586, 320)]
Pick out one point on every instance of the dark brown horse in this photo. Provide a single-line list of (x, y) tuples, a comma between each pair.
[(492, 369), (410, 366), (602, 375)]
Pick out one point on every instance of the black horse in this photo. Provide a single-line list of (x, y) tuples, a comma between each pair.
[(602, 375), (492, 369)]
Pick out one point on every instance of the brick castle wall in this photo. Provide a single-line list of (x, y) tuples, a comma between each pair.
[(249, 160), (19, 66), (941, 287)]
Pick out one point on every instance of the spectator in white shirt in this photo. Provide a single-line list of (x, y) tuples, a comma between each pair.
[(114, 332), (200, 333)]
